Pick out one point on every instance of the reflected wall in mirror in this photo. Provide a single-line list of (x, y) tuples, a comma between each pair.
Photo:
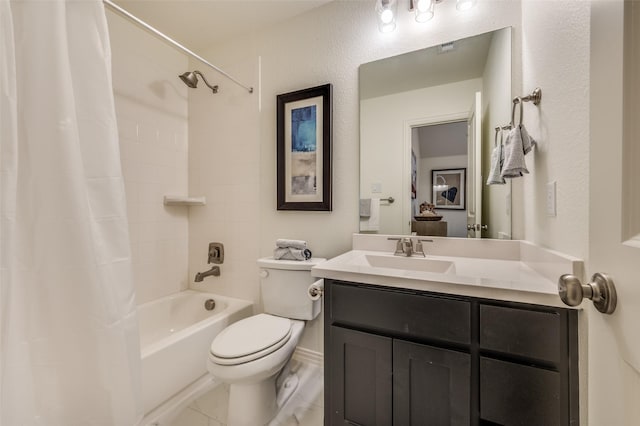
[(435, 109)]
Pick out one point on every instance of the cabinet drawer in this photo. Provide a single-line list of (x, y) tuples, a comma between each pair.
[(416, 315), (514, 394), (521, 332)]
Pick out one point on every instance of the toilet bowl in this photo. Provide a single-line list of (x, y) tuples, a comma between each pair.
[(252, 355), (252, 377)]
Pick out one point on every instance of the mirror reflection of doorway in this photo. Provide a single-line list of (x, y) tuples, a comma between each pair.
[(438, 147)]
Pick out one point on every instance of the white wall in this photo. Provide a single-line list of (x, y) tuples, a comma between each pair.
[(555, 57), (151, 107), (496, 111), (324, 46), (224, 166), (382, 130)]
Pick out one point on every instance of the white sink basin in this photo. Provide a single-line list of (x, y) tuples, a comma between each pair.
[(411, 263)]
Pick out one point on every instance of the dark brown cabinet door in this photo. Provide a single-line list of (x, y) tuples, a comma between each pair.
[(431, 386), (361, 378)]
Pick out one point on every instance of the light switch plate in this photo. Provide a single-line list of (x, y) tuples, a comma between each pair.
[(376, 188), (551, 199)]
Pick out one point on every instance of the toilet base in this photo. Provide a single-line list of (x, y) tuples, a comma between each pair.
[(258, 403), (288, 387), (252, 404)]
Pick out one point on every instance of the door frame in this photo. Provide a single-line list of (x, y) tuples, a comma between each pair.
[(409, 125)]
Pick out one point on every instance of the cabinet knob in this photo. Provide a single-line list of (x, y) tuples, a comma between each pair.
[(600, 290)]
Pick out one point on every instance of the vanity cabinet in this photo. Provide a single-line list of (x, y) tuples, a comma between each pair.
[(403, 357)]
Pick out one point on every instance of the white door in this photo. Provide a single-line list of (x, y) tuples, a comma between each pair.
[(474, 168), (614, 219)]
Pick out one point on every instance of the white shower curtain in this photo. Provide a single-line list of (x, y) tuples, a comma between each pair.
[(69, 351)]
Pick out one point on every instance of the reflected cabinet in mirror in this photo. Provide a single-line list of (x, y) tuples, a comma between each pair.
[(427, 121)]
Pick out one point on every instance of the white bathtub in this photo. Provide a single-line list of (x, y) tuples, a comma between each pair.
[(175, 336)]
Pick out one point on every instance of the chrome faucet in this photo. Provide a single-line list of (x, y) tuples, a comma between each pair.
[(215, 271), (407, 246), (215, 255), (404, 246)]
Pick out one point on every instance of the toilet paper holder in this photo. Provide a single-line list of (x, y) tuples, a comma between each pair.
[(316, 289)]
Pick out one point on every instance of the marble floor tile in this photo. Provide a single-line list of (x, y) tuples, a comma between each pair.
[(214, 404), (190, 417), (304, 407)]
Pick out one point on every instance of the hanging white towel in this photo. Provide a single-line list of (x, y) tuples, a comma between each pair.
[(497, 159), (365, 207), (517, 144), (527, 140), (372, 223)]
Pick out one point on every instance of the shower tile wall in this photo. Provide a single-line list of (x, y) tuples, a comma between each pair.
[(224, 166), (151, 107)]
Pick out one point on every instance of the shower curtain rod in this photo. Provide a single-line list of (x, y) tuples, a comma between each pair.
[(143, 24)]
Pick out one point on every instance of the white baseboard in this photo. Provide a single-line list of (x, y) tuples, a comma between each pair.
[(308, 356)]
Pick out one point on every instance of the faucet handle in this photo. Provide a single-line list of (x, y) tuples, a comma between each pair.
[(419, 249), (399, 251), (216, 253)]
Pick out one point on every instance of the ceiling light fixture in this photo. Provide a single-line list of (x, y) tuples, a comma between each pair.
[(424, 11), (387, 10)]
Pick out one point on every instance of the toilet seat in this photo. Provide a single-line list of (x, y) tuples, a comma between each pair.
[(250, 339)]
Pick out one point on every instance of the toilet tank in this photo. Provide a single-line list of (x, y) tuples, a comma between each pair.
[(284, 285)]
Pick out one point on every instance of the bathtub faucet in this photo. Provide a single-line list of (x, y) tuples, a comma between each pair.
[(215, 271)]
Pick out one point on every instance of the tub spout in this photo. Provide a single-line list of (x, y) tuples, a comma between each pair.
[(215, 271)]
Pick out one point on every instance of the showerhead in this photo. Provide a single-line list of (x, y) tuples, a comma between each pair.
[(190, 78)]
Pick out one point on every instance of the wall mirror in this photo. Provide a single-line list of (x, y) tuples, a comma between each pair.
[(427, 130)]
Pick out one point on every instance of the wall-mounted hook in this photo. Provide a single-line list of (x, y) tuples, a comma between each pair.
[(535, 97)]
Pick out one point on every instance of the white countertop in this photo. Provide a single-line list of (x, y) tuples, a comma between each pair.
[(527, 274)]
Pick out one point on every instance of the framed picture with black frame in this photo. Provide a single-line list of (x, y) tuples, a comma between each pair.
[(449, 188), (304, 138)]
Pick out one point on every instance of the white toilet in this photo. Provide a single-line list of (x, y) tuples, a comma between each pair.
[(250, 354)]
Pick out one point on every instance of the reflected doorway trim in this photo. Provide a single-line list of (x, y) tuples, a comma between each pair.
[(406, 157)]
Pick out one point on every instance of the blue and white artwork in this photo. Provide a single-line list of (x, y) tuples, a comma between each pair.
[(303, 150)]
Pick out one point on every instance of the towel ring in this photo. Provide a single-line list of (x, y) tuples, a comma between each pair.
[(495, 139), (516, 101)]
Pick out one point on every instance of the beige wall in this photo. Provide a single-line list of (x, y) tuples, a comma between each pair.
[(232, 134), (151, 108), (324, 46)]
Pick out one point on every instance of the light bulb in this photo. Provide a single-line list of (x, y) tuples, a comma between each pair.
[(386, 10), (424, 10), (465, 4), (386, 16), (423, 5)]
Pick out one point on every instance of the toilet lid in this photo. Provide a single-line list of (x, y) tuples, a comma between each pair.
[(250, 338)]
